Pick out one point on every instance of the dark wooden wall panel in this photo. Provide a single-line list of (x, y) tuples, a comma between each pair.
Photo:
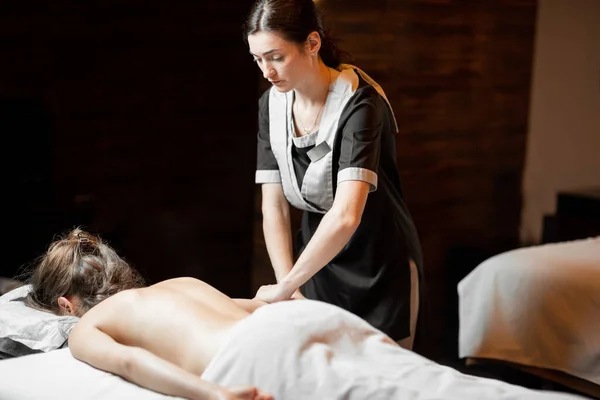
[(151, 117), (457, 74)]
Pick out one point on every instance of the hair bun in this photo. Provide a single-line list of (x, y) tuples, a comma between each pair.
[(85, 240)]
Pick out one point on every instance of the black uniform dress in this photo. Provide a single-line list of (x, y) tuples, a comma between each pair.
[(370, 276)]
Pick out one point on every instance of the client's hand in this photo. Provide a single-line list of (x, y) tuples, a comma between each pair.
[(272, 293), (243, 393)]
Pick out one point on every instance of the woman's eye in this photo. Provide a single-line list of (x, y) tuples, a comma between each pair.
[(277, 59)]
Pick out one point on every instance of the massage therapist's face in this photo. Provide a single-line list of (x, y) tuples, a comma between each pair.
[(283, 63)]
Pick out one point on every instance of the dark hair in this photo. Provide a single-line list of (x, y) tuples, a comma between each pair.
[(79, 264), (294, 20)]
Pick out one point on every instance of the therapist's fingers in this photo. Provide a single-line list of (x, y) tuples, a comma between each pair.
[(298, 296), (268, 293)]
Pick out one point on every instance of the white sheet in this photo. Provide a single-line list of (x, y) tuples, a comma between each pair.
[(58, 376), (279, 350), (305, 350), (537, 306)]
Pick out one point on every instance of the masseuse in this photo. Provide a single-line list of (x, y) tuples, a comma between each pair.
[(326, 145)]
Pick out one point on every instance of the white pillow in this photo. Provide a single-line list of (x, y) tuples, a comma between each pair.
[(25, 330), (14, 294)]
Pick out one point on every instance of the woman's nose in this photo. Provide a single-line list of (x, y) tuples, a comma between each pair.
[(268, 71)]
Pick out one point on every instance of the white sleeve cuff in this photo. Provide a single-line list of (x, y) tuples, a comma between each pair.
[(359, 174), (267, 176)]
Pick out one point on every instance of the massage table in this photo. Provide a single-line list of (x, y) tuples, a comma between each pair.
[(536, 309), (296, 350)]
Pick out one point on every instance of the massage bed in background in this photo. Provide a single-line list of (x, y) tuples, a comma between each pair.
[(536, 309)]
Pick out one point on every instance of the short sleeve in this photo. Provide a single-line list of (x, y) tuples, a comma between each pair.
[(267, 170), (360, 147)]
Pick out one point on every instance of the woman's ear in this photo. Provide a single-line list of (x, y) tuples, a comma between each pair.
[(66, 306), (313, 43)]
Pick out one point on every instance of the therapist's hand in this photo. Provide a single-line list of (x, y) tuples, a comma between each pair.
[(273, 293), (298, 295)]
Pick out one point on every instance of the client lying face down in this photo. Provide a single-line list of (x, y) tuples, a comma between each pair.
[(128, 329), (184, 338)]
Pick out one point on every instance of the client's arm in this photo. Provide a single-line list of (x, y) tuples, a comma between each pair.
[(145, 369), (136, 365)]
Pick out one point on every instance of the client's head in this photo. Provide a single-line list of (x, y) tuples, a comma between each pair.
[(77, 272)]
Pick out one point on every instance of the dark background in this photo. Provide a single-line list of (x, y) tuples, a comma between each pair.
[(137, 120)]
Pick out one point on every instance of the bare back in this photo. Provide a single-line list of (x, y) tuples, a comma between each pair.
[(183, 320)]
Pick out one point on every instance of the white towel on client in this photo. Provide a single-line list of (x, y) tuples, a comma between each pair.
[(305, 349)]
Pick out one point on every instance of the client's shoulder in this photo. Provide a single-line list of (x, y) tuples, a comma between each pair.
[(116, 305), (181, 285)]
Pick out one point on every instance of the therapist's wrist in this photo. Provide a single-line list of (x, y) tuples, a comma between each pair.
[(287, 288), (281, 272)]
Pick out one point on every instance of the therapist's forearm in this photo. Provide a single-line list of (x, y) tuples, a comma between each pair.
[(334, 232), (278, 239)]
